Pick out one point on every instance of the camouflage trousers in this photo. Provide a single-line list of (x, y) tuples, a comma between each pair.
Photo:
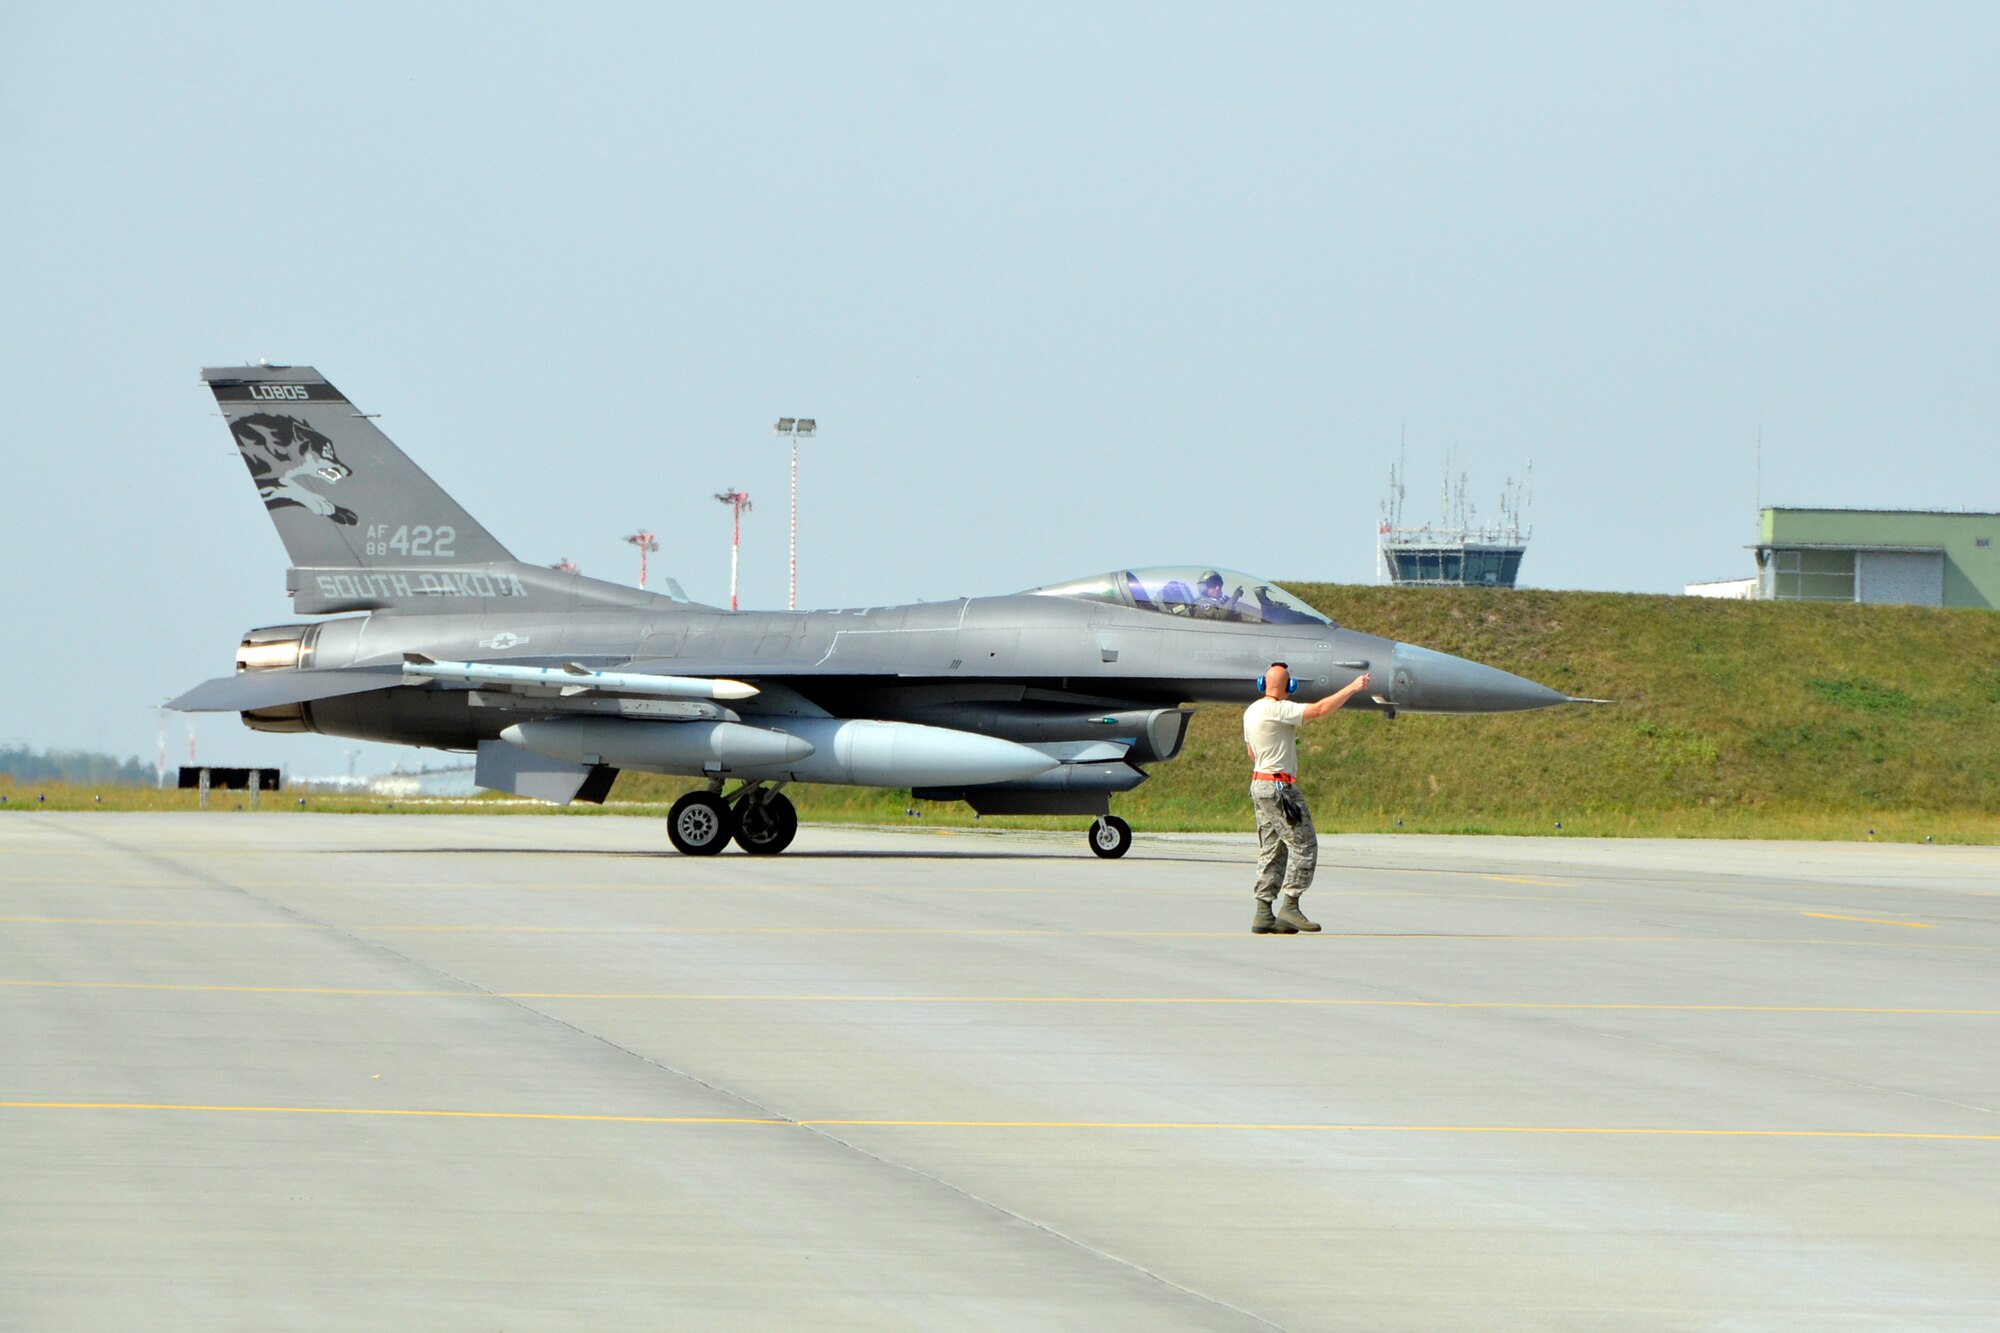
[(1287, 853)]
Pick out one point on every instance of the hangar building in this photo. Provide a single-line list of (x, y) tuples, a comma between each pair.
[(1915, 557)]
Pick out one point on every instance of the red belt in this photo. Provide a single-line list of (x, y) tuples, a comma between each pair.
[(1273, 777)]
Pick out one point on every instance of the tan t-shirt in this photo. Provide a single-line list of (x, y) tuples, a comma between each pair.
[(1271, 728)]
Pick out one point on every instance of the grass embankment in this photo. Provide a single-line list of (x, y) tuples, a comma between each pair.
[(1733, 719)]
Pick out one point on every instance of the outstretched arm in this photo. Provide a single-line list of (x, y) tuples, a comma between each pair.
[(1333, 701)]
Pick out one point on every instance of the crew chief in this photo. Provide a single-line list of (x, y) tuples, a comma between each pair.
[(1287, 847)]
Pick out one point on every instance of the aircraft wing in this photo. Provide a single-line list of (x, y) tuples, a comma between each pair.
[(248, 691)]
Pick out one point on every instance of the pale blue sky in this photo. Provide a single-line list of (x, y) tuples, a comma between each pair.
[(1068, 287)]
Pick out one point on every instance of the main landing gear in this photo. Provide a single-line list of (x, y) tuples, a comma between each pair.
[(766, 819), (757, 816), (700, 824), (1110, 837)]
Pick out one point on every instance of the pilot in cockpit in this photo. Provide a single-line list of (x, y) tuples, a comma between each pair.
[(1210, 604)]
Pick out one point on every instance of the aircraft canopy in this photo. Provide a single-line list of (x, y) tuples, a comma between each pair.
[(1192, 591)]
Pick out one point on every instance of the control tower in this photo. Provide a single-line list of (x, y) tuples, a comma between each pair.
[(1458, 552)]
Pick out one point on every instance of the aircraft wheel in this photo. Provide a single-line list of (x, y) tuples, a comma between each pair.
[(768, 827), (1111, 837), (700, 824)]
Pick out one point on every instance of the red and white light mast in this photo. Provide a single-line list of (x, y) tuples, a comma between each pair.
[(738, 502), (645, 541), (797, 428)]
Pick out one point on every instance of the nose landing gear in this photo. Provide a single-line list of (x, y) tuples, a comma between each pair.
[(1110, 837)]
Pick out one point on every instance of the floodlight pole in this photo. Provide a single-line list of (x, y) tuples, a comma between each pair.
[(738, 501), (792, 593), (644, 540), (795, 427)]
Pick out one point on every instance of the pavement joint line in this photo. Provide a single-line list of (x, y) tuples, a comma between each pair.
[(700, 997), (1380, 935), (719, 885), (1871, 920), (927, 891), (815, 1123)]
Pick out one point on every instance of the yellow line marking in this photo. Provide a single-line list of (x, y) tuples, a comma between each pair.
[(702, 997), (1522, 879), (863, 1123), (396, 1111), (631, 886), (1871, 920), (246, 990), (139, 921), (1404, 1129), (461, 928)]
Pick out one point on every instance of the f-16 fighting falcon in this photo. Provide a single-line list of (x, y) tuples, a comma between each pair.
[(1042, 702)]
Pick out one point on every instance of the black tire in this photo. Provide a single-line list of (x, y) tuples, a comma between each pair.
[(1111, 837), (768, 827), (700, 824)]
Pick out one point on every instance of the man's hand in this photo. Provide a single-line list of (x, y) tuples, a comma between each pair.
[(1337, 698)]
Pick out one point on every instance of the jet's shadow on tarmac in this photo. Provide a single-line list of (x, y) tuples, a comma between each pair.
[(666, 854)]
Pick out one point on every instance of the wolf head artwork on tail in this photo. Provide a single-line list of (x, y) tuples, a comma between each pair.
[(282, 452)]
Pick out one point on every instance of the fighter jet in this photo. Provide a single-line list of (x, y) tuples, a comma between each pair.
[(1048, 701)]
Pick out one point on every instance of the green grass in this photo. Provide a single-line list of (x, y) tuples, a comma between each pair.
[(1732, 720)]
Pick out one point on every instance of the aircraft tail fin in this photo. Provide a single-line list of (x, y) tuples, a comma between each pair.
[(339, 492), (366, 528)]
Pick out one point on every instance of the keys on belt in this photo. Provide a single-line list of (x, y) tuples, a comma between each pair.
[(1273, 777)]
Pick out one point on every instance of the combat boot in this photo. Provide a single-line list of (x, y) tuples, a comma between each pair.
[(1288, 914), (1265, 924)]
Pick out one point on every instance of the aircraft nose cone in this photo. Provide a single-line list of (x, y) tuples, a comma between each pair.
[(1434, 682)]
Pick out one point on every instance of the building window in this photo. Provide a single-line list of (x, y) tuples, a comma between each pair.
[(1813, 576), (1982, 542)]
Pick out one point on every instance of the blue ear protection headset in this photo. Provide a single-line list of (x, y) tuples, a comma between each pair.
[(1291, 684)]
